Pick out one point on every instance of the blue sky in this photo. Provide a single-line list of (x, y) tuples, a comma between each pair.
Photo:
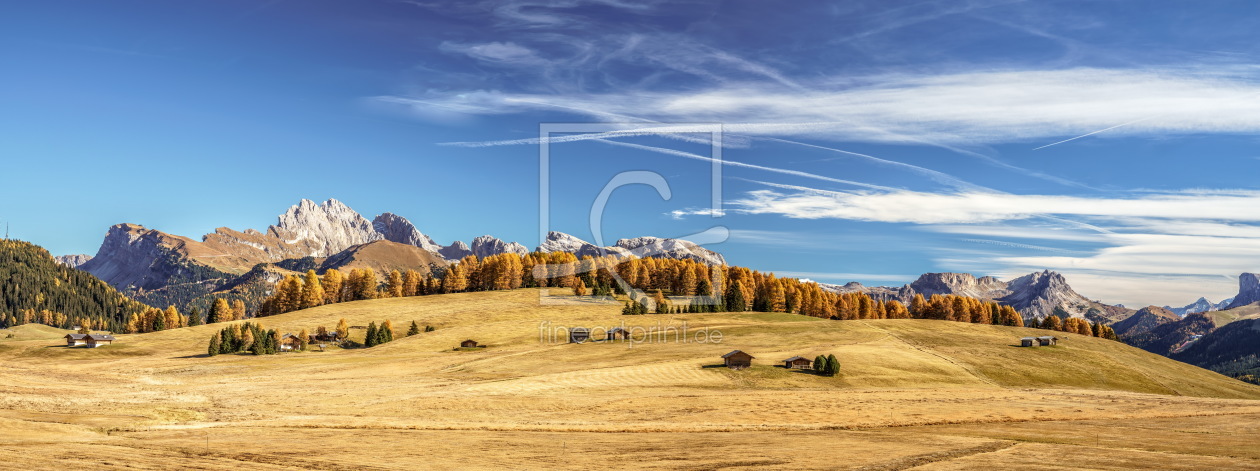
[(867, 141)]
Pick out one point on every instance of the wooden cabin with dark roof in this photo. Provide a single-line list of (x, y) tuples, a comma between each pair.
[(618, 333), (97, 340), (737, 360), (76, 340), (1048, 340), (579, 335), (290, 342), (798, 363), (468, 344)]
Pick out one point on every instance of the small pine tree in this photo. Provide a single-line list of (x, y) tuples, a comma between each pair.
[(429, 328), (833, 365), (735, 299), (215, 345), (413, 330), (369, 340), (194, 317), (820, 365), (386, 332)]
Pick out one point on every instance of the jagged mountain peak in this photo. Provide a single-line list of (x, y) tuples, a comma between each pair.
[(1248, 290), (331, 225), (73, 261), (488, 245), (639, 246), (963, 284), (1200, 305), (670, 248), (395, 228), (455, 251)]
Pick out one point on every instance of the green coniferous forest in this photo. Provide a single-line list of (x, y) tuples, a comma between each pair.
[(35, 288)]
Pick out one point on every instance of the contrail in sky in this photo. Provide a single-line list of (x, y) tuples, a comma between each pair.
[(1096, 132)]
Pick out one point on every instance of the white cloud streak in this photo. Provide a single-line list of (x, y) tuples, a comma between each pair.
[(499, 53), (969, 208), (960, 109)]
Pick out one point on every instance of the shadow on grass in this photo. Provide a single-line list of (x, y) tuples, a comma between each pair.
[(713, 366)]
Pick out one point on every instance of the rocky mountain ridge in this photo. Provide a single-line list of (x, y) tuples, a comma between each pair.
[(1144, 320), (1035, 295), (1248, 290), (1202, 305), (638, 247), (72, 261), (161, 268)]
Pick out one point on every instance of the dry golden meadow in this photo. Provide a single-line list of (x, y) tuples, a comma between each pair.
[(918, 394)]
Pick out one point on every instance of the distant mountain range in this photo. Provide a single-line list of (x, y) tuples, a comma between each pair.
[(160, 269), (1035, 295), (1202, 305), (1223, 337)]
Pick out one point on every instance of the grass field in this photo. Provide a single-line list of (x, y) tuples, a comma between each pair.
[(912, 393)]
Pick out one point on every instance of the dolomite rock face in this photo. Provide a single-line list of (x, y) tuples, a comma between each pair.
[(1248, 290), (395, 228), (132, 256), (961, 284), (73, 261), (1035, 295), (671, 248), (486, 246), (331, 226), (642, 247), (1041, 294), (561, 242), (455, 251)]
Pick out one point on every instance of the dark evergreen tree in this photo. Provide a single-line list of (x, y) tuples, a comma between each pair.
[(735, 300), (415, 329), (833, 365), (369, 340), (215, 345), (820, 365)]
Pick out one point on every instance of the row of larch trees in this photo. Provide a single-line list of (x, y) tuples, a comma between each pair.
[(670, 285)]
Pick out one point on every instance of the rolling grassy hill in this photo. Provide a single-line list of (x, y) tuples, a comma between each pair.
[(157, 395), (874, 353)]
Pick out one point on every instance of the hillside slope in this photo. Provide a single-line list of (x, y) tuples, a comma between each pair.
[(157, 399), (875, 353), (1233, 349), (34, 281)]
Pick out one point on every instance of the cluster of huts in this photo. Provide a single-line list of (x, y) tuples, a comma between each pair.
[(1043, 341), (89, 340), (739, 359), (583, 334)]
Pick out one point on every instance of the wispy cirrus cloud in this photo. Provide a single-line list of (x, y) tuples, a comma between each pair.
[(499, 53), (1149, 247), (973, 108), (977, 207)]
